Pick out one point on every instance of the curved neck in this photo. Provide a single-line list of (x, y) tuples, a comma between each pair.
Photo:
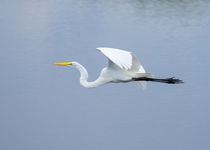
[(84, 77)]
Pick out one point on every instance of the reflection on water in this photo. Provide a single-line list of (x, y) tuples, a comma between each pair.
[(186, 12), (49, 18), (37, 12)]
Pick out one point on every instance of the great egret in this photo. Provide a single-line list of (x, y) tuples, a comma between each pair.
[(123, 66)]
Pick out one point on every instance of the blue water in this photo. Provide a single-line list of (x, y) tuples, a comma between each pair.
[(44, 107)]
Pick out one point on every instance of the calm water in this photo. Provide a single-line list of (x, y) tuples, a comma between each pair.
[(44, 107)]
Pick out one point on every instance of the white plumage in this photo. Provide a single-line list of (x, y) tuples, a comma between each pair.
[(127, 61), (123, 66), (121, 58)]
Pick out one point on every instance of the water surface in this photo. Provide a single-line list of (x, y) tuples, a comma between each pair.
[(43, 106)]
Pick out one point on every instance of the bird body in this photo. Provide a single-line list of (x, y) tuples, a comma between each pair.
[(123, 66)]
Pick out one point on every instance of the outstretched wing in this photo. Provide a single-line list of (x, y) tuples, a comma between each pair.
[(123, 59)]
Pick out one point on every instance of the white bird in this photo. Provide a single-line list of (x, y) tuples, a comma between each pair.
[(123, 66)]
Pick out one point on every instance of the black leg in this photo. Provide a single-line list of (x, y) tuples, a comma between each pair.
[(167, 80)]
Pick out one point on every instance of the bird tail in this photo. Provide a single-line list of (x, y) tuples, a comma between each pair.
[(142, 84)]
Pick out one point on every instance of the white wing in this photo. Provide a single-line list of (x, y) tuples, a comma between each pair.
[(123, 59)]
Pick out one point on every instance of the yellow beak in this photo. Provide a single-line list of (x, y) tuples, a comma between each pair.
[(63, 64)]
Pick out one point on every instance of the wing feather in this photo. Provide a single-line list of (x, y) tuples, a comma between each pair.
[(121, 58)]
